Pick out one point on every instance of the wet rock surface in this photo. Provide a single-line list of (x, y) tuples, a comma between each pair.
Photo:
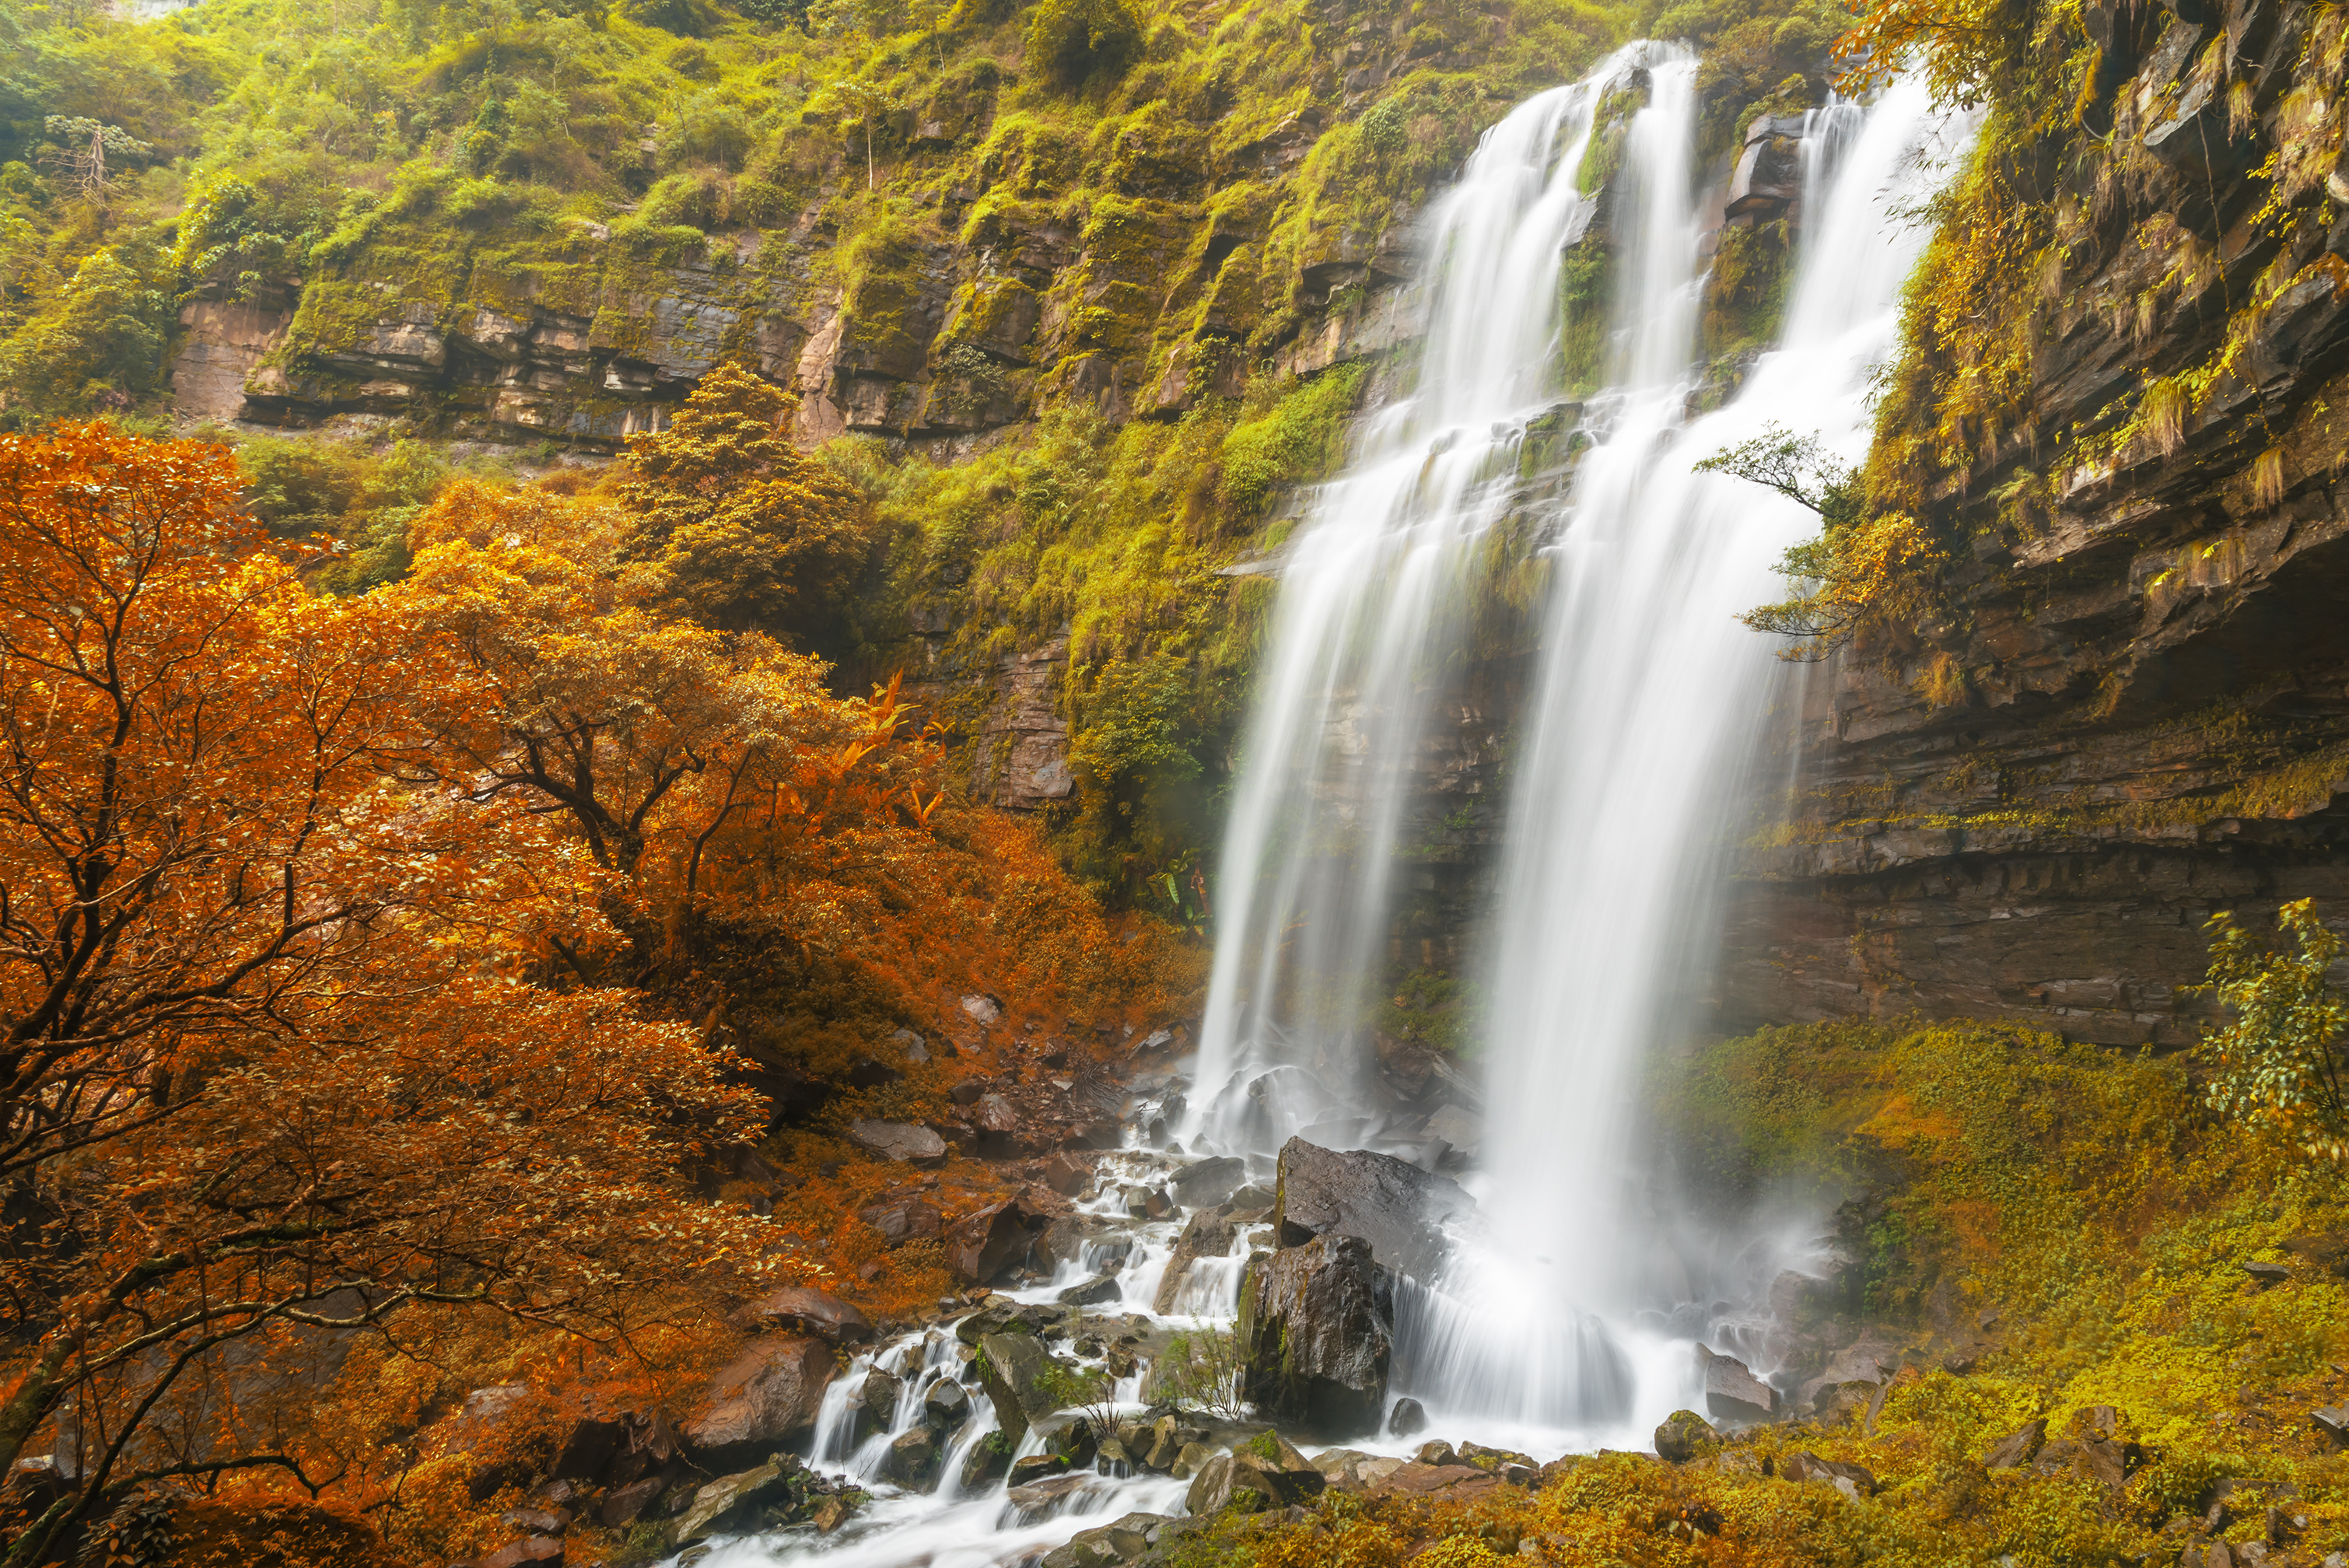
[(1390, 1204), (1316, 1334)]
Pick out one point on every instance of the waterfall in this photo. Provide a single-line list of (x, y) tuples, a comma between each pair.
[(1648, 704), (1374, 595)]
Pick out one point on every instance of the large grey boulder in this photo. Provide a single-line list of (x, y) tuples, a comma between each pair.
[(1206, 1183), (1015, 1369), (1731, 1392), (899, 1141), (765, 1398), (1393, 1204), (1316, 1334), (804, 1311)]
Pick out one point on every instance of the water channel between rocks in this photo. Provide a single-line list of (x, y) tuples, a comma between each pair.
[(1540, 1304)]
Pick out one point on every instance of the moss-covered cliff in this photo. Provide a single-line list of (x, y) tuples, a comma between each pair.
[(2108, 695)]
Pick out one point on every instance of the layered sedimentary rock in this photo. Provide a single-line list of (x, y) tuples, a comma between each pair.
[(2136, 714)]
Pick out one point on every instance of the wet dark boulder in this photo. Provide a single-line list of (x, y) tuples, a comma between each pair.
[(1316, 1334), (1393, 1204), (981, 1245), (945, 1406), (1207, 1182), (1098, 1291), (875, 1403), (912, 1461), (1408, 1416)]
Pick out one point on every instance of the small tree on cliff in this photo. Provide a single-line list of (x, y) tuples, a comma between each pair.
[(737, 528), (2279, 1061), (276, 1058)]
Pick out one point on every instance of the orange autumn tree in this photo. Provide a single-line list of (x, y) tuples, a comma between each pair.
[(734, 526), (280, 1059), (711, 771), (767, 836)]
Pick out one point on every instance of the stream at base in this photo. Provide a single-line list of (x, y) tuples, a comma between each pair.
[(1566, 1314)]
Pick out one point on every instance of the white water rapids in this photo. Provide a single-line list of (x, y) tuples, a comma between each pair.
[(1562, 1323)]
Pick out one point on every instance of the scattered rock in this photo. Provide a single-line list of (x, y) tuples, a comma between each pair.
[(651, 1444), (1731, 1392), (916, 1049), (984, 1011), (1205, 1235), (767, 1398), (905, 1220), (1350, 1470), (735, 1504), (623, 1504), (981, 1245), (1855, 1481), (1958, 1365), (1035, 1468), (530, 1551), (945, 1404), (1207, 1182), (1250, 1483), (1435, 1451), (1012, 1370), (2333, 1422), (1395, 1206), (804, 1311), (1409, 1416), (900, 1140), (588, 1451), (1120, 1541), (1316, 1333), (1452, 1484), (969, 1092), (2018, 1448), (986, 1463), (876, 1403), (1684, 1436), (1001, 1314), (1095, 1292), (1066, 1173), (2266, 1274), (1037, 1500), (1841, 1402), (912, 1461)]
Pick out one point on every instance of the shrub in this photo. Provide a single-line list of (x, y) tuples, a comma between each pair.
[(1072, 42)]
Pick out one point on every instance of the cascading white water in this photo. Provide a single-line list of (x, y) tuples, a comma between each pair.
[(1648, 704), (1372, 596)]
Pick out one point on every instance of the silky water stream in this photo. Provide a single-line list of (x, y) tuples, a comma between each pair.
[(1562, 1320)]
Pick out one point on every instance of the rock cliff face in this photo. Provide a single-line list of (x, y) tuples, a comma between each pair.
[(1136, 301), (2136, 713)]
